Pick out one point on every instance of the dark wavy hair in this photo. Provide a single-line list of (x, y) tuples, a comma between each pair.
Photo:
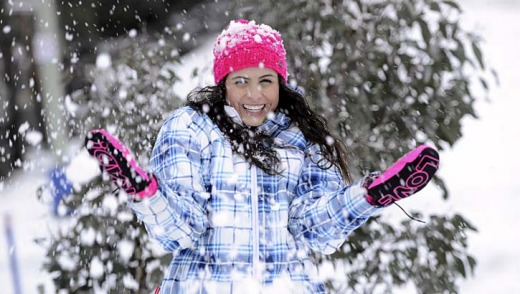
[(257, 147)]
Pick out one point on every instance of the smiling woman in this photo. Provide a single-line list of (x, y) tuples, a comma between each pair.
[(247, 179)]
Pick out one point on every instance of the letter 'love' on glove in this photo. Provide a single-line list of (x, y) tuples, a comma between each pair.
[(404, 178), (117, 161)]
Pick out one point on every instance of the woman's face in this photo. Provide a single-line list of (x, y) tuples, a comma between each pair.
[(253, 92)]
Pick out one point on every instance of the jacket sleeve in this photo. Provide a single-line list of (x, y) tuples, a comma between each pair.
[(325, 211), (176, 216)]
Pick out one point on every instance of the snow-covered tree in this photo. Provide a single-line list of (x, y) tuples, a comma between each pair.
[(388, 75), (103, 247)]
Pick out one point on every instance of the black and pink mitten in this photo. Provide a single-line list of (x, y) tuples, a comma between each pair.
[(117, 161), (404, 178)]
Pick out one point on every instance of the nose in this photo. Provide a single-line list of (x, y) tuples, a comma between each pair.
[(254, 91)]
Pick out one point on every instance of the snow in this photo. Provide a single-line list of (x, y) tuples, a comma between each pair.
[(132, 33), (126, 249), (243, 31), (6, 29), (33, 137), (481, 172), (103, 61), (96, 268), (24, 127)]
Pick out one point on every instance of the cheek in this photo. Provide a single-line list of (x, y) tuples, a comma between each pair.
[(233, 96), (229, 95), (229, 98), (274, 92), (274, 98)]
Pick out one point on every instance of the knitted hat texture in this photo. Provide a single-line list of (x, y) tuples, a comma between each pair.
[(245, 44)]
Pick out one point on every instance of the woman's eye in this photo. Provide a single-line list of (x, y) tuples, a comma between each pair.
[(240, 81), (266, 81)]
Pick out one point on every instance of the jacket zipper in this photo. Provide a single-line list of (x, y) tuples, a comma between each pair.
[(256, 235)]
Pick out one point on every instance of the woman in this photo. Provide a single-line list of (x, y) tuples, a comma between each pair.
[(246, 179)]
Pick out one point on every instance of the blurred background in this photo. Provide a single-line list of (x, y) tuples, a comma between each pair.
[(70, 66)]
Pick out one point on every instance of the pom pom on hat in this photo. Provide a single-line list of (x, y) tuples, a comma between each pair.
[(245, 44)]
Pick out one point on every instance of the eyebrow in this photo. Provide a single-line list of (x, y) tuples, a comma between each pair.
[(247, 78), (266, 76)]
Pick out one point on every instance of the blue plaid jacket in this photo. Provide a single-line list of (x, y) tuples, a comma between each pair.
[(233, 228)]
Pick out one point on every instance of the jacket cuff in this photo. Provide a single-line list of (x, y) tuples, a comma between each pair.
[(153, 205), (352, 204)]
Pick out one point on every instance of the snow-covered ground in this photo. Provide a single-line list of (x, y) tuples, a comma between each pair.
[(481, 172)]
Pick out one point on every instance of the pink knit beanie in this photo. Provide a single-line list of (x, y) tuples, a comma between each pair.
[(245, 44)]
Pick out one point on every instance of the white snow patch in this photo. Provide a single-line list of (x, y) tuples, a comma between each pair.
[(126, 249), (96, 268), (103, 61)]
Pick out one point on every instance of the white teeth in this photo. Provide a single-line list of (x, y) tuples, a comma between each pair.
[(254, 107)]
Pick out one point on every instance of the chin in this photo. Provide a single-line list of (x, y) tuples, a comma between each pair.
[(254, 123)]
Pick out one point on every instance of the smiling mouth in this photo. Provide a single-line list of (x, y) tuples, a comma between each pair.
[(254, 108)]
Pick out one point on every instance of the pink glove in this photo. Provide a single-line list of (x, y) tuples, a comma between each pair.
[(118, 162), (404, 178)]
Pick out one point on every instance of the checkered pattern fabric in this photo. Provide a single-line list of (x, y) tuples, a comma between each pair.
[(230, 226)]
